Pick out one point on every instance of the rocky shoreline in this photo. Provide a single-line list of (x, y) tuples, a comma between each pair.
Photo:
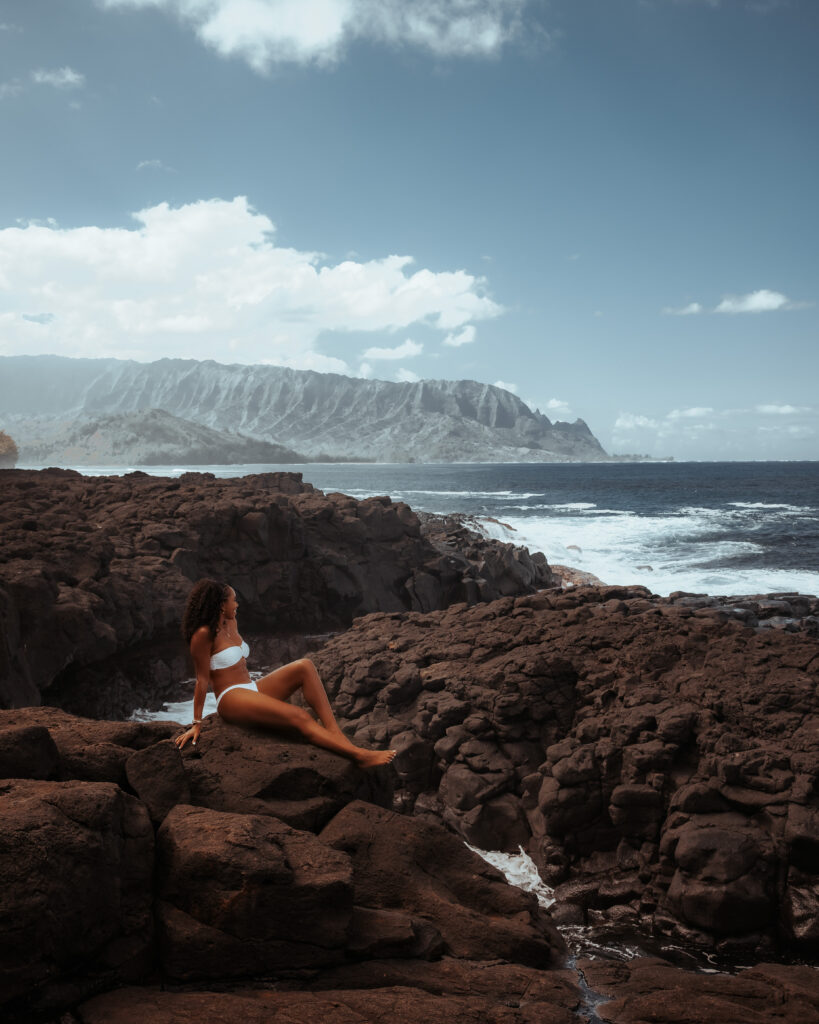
[(657, 757), (266, 878), (94, 572)]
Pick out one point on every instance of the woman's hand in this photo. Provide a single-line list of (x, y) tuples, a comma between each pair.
[(191, 733)]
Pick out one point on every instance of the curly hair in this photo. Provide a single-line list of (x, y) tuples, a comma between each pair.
[(203, 607)]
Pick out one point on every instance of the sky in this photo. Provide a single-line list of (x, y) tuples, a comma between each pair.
[(608, 207)]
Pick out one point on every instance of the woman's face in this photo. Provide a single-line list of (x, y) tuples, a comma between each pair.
[(230, 604)]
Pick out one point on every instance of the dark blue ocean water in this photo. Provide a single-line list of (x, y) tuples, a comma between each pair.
[(721, 528)]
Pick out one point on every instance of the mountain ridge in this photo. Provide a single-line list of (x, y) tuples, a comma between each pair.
[(303, 410)]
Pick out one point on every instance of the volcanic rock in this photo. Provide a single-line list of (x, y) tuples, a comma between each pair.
[(659, 765), (647, 990), (76, 867), (94, 573), (393, 1004), (254, 771), (240, 894), (410, 867)]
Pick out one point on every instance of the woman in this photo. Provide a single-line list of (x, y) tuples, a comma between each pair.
[(219, 653)]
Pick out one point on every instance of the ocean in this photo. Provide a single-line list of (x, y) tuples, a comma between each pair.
[(702, 527)]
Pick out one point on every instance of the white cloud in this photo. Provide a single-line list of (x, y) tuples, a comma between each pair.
[(153, 165), (762, 301), (506, 386), (60, 78), (309, 361), (633, 421), (558, 407), (464, 337), (11, 88), (700, 432), (697, 412), (690, 310), (555, 408), (187, 280), (365, 370), (404, 351), (407, 376), (782, 410), (268, 32)]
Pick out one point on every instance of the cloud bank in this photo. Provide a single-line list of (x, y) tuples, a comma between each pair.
[(701, 432), (690, 310), (458, 338), (762, 301), (59, 78), (268, 32), (207, 280), (405, 351)]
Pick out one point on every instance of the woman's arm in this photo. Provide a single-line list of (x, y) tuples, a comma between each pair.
[(200, 651)]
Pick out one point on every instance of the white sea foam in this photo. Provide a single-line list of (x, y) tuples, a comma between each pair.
[(520, 871), (803, 509), (684, 551), (181, 711), (406, 494)]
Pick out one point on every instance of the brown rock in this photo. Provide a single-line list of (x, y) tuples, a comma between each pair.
[(397, 1005), (592, 726), (242, 895), (644, 991), (402, 863), (109, 565), (158, 778), (254, 771), (86, 749), (76, 869), (28, 752)]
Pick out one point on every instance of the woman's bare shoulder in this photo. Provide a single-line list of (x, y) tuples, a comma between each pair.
[(201, 638)]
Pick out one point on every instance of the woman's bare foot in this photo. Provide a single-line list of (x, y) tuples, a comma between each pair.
[(373, 758)]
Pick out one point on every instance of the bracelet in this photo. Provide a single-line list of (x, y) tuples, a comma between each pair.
[(196, 721)]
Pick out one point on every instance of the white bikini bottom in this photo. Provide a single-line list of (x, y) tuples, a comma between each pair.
[(236, 686)]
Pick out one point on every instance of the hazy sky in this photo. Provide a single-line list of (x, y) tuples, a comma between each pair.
[(608, 206)]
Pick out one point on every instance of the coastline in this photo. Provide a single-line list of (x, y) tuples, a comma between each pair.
[(719, 529), (633, 744)]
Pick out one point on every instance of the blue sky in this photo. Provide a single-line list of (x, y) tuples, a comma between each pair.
[(609, 206)]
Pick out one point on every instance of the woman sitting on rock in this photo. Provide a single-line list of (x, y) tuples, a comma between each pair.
[(209, 627)]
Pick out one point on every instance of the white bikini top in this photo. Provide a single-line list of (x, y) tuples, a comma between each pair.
[(229, 656)]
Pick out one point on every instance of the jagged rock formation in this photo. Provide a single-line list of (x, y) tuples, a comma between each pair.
[(148, 438), (314, 413), (132, 892), (119, 867), (94, 573), (657, 756), (8, 451)]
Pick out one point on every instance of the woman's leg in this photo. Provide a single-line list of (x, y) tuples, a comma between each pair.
[(284, 682), (244, 707)]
